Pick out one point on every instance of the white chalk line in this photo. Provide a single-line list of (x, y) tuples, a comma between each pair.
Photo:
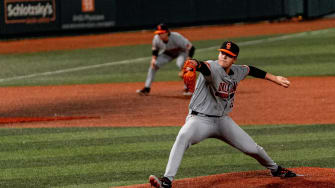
[(73, 69), (141, 59)]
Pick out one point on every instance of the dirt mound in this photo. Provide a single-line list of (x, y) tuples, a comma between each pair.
[(312, 178)]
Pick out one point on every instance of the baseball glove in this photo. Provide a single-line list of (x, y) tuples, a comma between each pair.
[(189, 74)]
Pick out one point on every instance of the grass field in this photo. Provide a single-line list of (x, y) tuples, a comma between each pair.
[(104, 157), (303, 54)]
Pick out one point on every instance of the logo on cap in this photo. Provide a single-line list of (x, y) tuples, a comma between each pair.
[(230, 48), (228, 45), (161, 28)]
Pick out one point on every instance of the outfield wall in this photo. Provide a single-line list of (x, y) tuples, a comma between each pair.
[(46, 16)]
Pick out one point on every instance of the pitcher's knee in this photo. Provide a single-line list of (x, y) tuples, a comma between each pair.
[(253, 150), (184, 139)]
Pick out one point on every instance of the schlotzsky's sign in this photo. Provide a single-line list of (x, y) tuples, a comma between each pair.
[(29, 11)]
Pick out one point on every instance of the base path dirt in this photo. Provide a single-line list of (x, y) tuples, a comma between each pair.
[(309, 100)]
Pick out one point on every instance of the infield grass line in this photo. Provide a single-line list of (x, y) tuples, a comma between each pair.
[(141, 59)]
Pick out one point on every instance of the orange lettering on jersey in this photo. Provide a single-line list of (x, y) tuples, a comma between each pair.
[(226, 90)]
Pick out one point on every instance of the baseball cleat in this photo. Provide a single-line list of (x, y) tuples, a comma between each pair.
[(283, 173), (160, 182), (144, 91)]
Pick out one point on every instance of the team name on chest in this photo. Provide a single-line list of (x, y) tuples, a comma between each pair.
[(226, 90)]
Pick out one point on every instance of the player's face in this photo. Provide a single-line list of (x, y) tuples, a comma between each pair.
[(226, 60), (164, 36)]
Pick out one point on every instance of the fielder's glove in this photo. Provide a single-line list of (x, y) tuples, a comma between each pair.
[(189, 74)]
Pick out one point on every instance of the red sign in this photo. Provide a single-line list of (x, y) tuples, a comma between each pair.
[(87, 5)]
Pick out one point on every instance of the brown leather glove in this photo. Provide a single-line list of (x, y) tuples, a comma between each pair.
[(189, 74)]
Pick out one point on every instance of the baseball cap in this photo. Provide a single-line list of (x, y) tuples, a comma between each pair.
[(230, 48), (161, 28)]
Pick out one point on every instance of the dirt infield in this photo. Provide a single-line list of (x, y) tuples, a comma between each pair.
[(258, 102), (308, 101)]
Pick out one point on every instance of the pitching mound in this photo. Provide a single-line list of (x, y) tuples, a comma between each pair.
[(313, 177)]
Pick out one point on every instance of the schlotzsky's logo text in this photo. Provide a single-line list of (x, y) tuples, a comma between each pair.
[(30, 11)]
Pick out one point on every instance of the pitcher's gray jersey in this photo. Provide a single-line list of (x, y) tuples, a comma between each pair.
[(176, 44), (212, 100), (209, 107), (215, 96)]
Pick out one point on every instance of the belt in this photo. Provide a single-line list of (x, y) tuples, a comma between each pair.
[(198, 113)]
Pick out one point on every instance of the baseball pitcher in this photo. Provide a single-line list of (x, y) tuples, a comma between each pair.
[(209, 109)]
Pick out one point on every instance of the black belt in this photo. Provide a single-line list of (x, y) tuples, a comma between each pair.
[(198, 113)]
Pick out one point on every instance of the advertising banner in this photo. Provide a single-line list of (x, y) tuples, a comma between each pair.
[(19, 11), (2, 20), (29, 16), (81, 14)]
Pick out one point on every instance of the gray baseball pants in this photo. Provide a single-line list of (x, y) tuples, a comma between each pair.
[(198, 128)]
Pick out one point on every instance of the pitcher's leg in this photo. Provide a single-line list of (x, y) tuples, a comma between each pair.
[(195, 130), (238, 138)]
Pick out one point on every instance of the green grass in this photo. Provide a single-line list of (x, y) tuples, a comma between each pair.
[(306, 54), (104, 157)]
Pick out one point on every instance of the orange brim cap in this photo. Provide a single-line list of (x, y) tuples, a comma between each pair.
[(160, 31), (227, 51)]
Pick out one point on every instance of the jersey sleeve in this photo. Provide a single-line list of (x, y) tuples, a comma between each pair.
[(183, 42), (243, 71), (155, 42), (256, 72)]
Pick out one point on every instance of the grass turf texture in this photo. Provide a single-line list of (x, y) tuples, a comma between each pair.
[(104, 157), (304, 54)]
